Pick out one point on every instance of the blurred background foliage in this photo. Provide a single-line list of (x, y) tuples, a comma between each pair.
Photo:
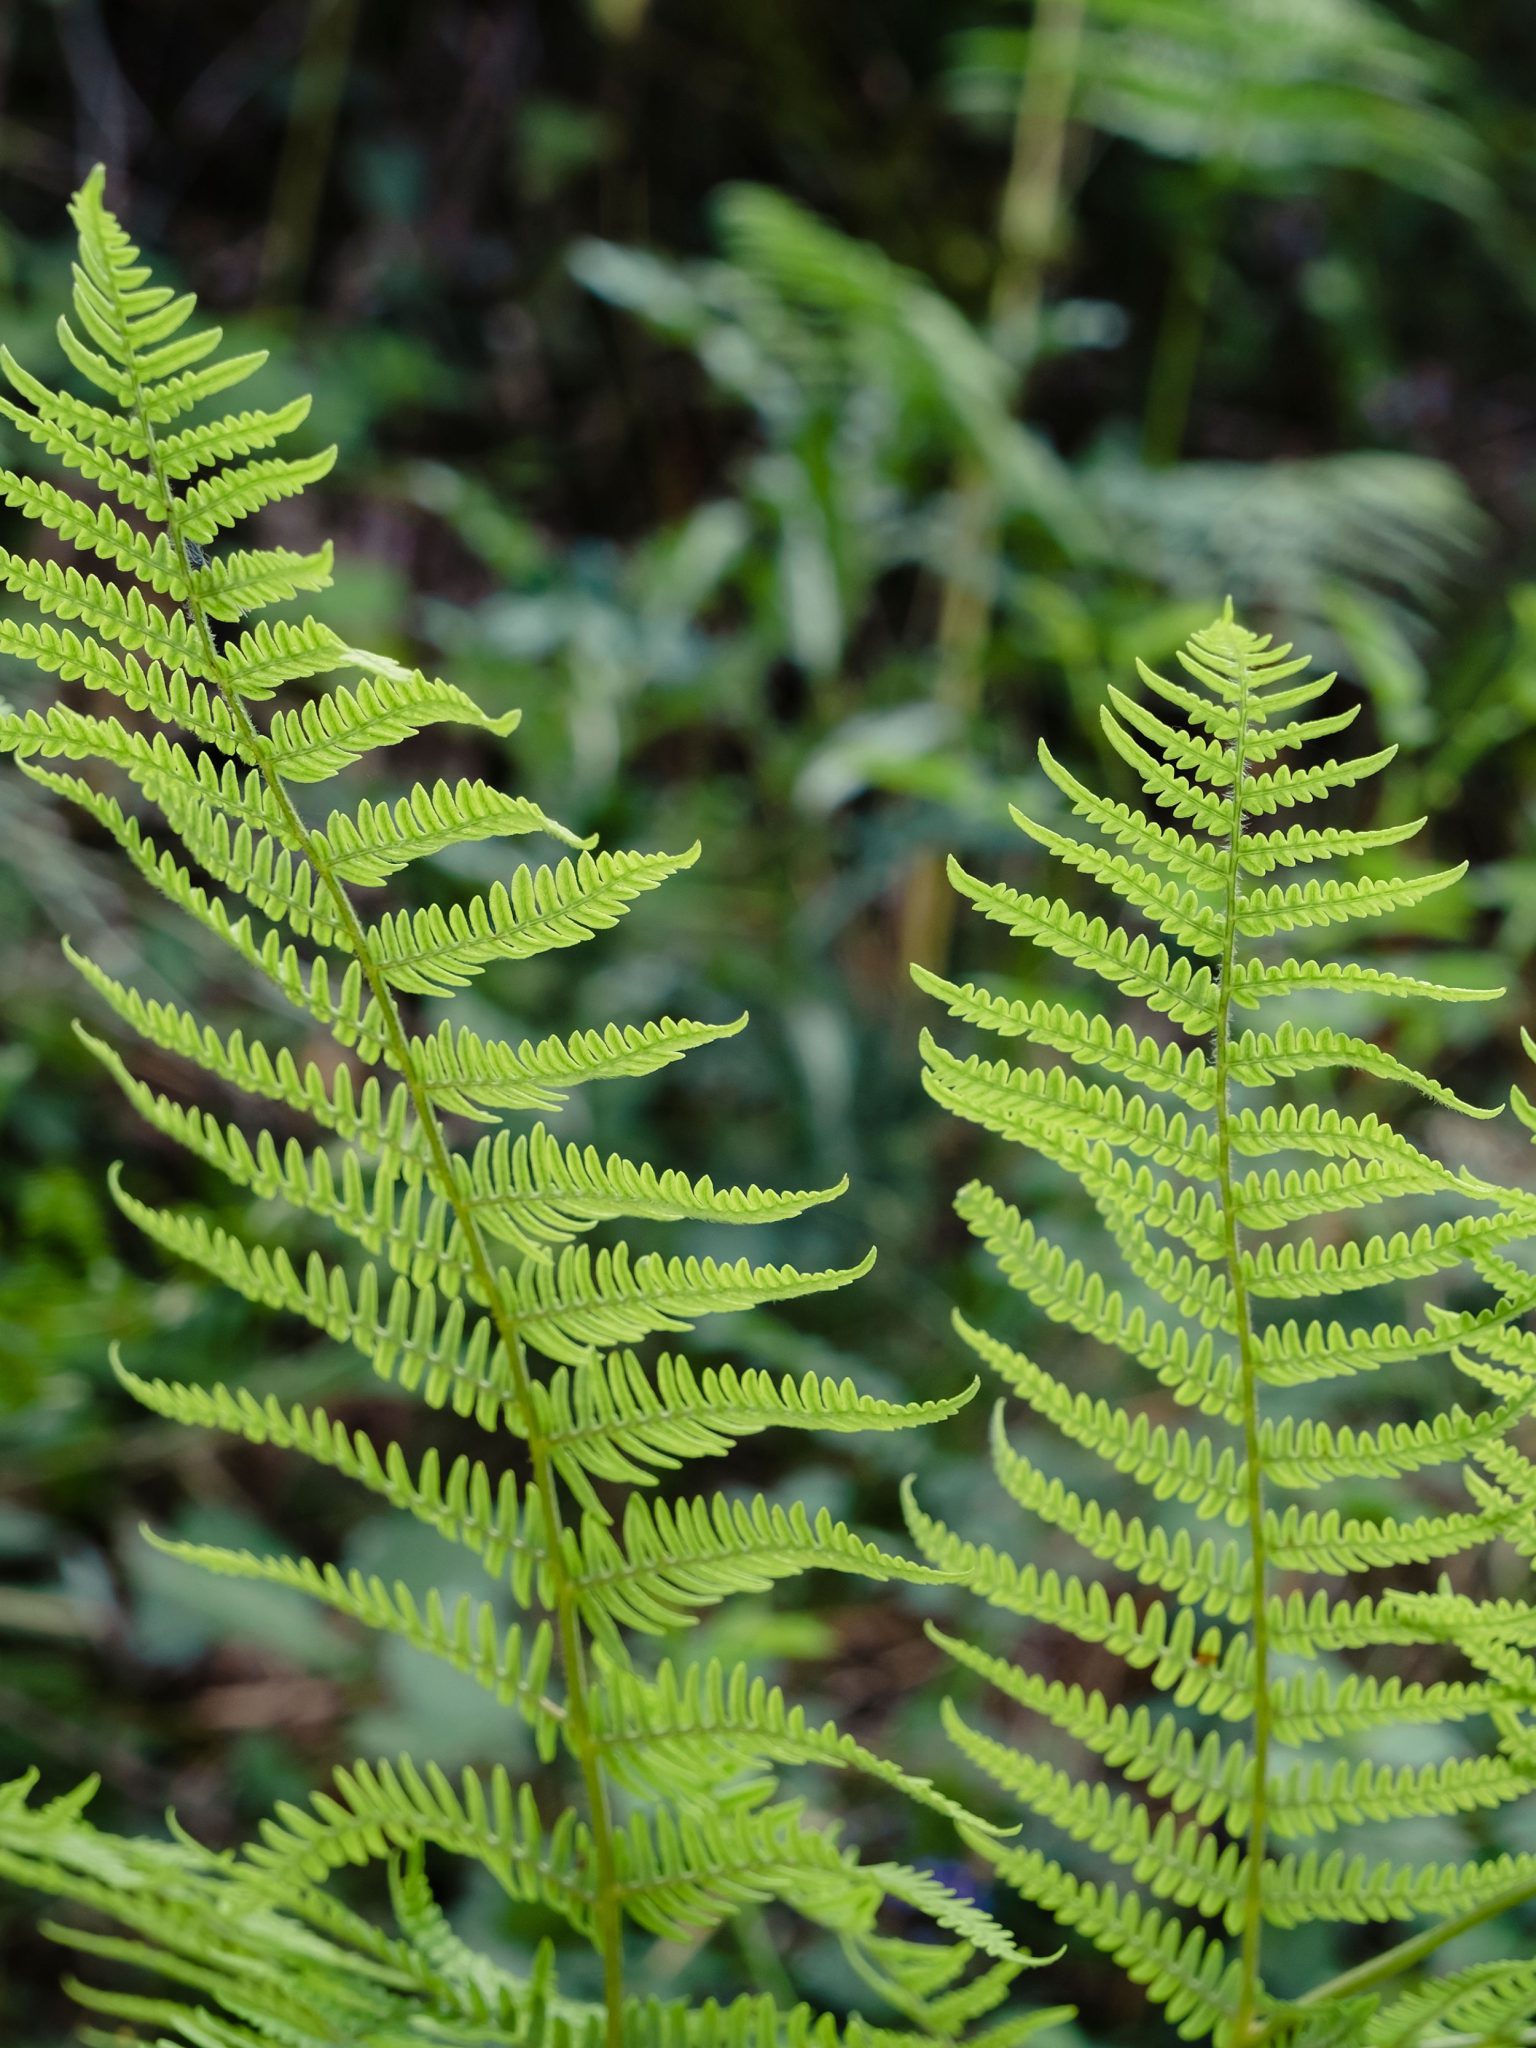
[(799, 410)]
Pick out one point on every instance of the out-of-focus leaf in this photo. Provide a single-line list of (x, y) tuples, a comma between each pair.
[(1299, 540), (1263, 88)]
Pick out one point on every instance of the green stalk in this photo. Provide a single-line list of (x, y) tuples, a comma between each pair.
[(317, 87), (1392, 1962), (1026, 233), (1249, 1983), (608, 1930), (1177, 354), (1186, 309)]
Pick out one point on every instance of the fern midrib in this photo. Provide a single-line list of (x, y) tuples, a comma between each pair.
[(607, 1910), (1249, 1983)]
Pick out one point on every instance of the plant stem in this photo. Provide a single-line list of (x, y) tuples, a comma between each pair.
[(578, 1731), (317, 88), (1026, 227), (1177, 354), (1026, 233), (1249, 1984), (1402, 1956)]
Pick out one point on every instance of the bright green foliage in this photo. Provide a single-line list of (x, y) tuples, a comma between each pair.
[(1239, 1216), (456, 1270), (292, 1964)]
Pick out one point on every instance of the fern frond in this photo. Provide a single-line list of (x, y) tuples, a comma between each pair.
[(375, 1809), (378, 839), (670, 1559), (1176, 850), (361, 1112), (432, 951), (1305, 906), (1068, 1293), (471, 1074), (1310, 1540), (681, 1732), (1260, 1057), (1484, 2002), (327, 734), (1182, 1969), (465, 1281), (1312, 1706), (1273, 1199), (1206, 1776), (385, 1213), (239, 433), (1297, 1271), (467, 1636), (233, 494), (1175, 1464), (492, 1517), (1019, 1103), (98, 530), (1184, 799), (245, 579), (1298, 845), (585, 1300), (1299, 1451), (1253, 982), (1182, 1653), (1317, 1798), (1293, 1354), (1183, 1223), (1178, 912), (1215, 1575), (1183, 1863), (448, 1358), (1083, 1037), (535, 1186), (1284, 787), (1164, 981), (611, 1419)]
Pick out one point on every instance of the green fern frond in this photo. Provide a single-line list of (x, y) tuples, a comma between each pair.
[(471, 1075), (432, 951), (468, 1636), (684, 1733), (611, 1419), (363, 1112), (328, 733), (493, 1517), (586, 1300), (460, 1276), (376, 1809), (1141, 969), (1187, 1291), (1181, 1968), (672, 1559), (1089, 1040)]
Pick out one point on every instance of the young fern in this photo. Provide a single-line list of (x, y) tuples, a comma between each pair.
[(469, 1263), (1231, 1209)]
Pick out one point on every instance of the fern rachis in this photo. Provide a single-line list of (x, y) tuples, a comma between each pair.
[(459, 1268), (1174, 1149)]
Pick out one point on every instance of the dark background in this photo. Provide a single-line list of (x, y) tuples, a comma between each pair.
[(793, 532)]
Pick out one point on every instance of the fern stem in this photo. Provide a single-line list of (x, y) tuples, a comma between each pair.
[(1392, 1962), (578, 1728), (1258, 1822)]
